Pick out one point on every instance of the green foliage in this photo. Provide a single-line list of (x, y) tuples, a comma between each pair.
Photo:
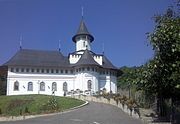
[(119, 73), (50, 105), (128, 76), (162, 74), (17, 106), (26, 110)]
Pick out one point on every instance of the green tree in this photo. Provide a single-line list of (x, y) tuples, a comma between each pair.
[(161, 75), (127, 76)]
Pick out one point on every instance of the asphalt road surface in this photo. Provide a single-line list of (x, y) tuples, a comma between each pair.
[(94, 113)]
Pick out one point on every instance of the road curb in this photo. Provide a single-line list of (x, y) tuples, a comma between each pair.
[(17, 118)]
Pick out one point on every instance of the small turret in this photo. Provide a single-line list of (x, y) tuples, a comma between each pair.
[(83, 38)]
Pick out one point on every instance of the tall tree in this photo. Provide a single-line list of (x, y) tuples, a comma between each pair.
[(127, 76), (161, 75)]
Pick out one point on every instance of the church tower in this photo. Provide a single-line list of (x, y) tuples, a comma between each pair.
[(81, 72), (83, 38)]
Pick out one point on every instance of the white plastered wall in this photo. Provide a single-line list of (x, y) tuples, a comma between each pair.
[(98, 59), (81, 46), (48, 79), (108, 82), (74, 58)]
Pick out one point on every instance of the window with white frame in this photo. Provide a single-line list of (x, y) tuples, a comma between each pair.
[(42, 86), (65, 87), (30, 86), (16, 86), (54, 86)]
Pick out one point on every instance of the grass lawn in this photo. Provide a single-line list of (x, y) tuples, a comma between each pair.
[(35, 104)]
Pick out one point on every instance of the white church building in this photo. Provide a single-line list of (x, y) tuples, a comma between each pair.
[(50, 72)]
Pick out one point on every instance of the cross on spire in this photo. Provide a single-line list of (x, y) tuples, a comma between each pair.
[(82, 11), (103, 48), (59, 45), (20, 42)]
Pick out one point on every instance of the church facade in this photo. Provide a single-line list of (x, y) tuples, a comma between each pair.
[(50, 72)]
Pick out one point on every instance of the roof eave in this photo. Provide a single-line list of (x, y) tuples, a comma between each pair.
[(74, 37)]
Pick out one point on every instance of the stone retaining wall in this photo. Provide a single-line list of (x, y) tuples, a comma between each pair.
[(133, 113), (124, 107)]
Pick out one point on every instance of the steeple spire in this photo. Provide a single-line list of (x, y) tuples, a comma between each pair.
[(82, 38), (83, 31)]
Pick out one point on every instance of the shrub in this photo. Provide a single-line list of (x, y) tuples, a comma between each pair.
[(117, 98), (17, 103), (129, 104), (20, 111), (107, 96), (17, 106), (51, 105), (26, 110), (97, 92)]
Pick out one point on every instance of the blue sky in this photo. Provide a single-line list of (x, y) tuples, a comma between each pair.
[(121, 25)]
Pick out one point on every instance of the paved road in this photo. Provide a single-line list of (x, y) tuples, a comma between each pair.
[(94, 113)]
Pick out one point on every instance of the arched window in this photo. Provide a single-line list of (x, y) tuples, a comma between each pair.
[(42, 86), (30, 86), (89, 84), (54, 86), (65, 87), (16, 85)]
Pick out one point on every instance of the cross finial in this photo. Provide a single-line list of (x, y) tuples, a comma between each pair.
[(20, 42), (103, 48), (82, 11), (59, 45)]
